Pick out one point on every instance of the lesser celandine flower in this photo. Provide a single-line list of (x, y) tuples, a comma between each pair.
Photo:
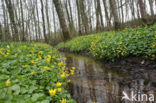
[(72, 72), (153, 56), (26, 66), (68, 81), (58, 84), (8, 82), (53, 66), (63, 75), (40, 52), (59, 89), (120, 43), (60, 64), (32, 61), (32, 73), (52, 92), (65, 58), (73, 68), (63, 101), (46, 68)]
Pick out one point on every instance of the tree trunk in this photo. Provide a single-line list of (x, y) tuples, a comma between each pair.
[(63, 24), (115, 14), (43, 19), (151, 7), (106, 14), (84, 16), (23, 32), (47, 16), (79, 16), (97, 16), (142, 10), (12, 19), (100, 13), (38, 23)]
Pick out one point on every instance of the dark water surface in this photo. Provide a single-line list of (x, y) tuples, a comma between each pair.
[(94, 83)]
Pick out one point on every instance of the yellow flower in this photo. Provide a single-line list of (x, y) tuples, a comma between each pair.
[(120, 43), (40, 52), (8, 82), (52, 92), (60, 64), (65, 58), (48, 58), (37, 59), (53, 66), (58, 59), (68, 81), (72, 72), (63, 75), (46, 68), (19, 50), (32, 62), (153, 56), (32, 73), (122, 53), (28, 55), (154, 45), (59, 89), (7, 53), (26, 66), (1, 52), (16, 54), (63, 101), (73, 68), (58, 84)]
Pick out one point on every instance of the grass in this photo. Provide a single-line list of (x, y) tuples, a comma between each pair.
[(109, 46), (32, 73)]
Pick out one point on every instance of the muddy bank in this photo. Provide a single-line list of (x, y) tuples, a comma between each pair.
[(133, 63)]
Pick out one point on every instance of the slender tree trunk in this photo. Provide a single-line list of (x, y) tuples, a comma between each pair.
[(115, 14), (84, 16), (106, 14), (23, 31), (12, 19), (142, 11), (53, 12), (62, 19), (1, 33), (38, 23), (48, 22), (151, 7), (97, 16), (79, 16), (100, 13), (43, 19), (122, 11)]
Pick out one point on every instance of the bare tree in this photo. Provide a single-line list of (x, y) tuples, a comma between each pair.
[(12, 19), (43, 19), (115, 14), (62, 19)]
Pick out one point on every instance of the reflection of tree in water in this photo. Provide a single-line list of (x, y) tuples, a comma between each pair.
[(92, 83)]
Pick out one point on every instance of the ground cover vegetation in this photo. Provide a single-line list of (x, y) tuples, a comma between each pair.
[(33, 73), (108, 46)]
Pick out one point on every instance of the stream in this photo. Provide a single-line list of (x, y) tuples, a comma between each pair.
[(94, 83)]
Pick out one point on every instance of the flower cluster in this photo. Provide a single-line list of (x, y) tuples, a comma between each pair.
[(139, 41), (33, 72)]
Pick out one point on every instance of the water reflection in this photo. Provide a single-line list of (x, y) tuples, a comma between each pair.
[(93, 83)]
